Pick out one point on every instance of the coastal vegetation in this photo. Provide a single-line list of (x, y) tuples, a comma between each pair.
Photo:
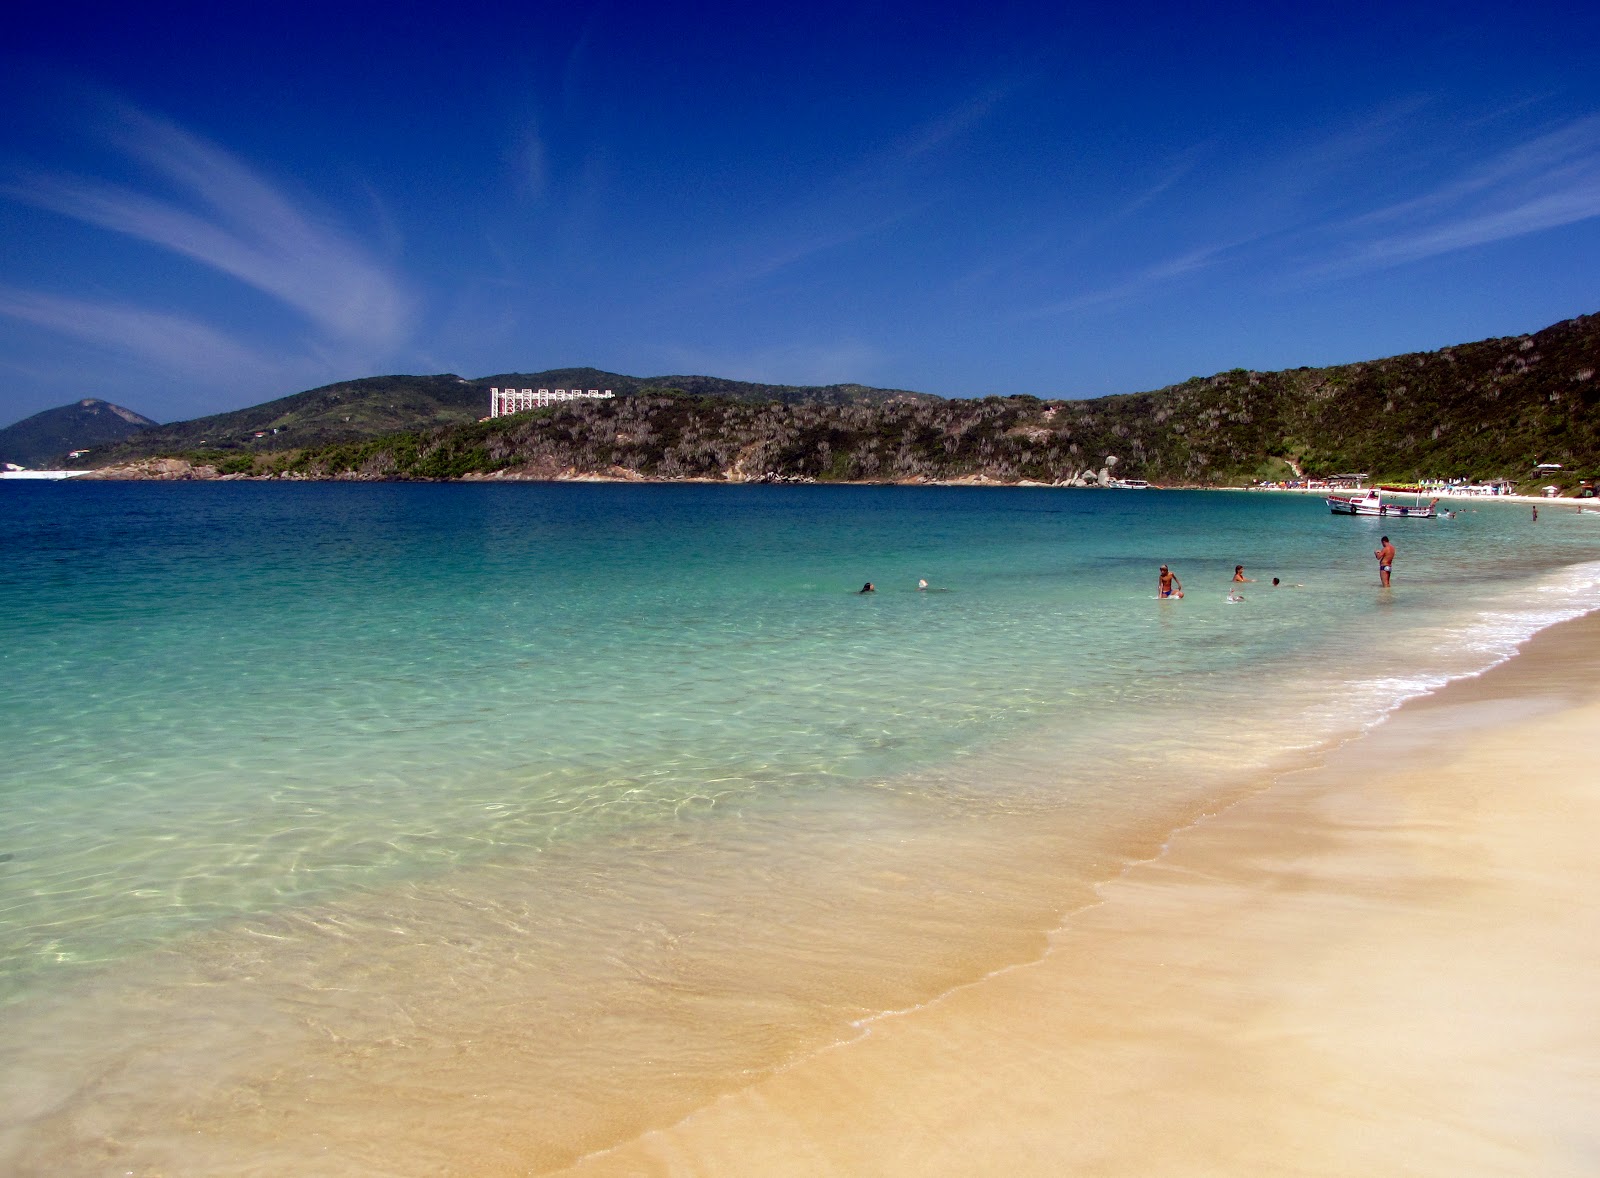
[(1492, 409), (379, 406)]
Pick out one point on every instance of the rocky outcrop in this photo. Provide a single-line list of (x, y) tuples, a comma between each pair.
[(155, 469)]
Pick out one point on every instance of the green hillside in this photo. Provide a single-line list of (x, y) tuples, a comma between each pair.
[(376, 406), (340, 412), (1491, 409)]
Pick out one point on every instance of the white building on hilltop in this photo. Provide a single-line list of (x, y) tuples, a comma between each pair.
[(506, 401)]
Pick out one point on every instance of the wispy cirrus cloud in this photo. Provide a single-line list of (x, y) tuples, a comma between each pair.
[(173, 343), (1547, 182), (880, 191), (1328, 209), (957, 122), (233, 221), (1157, 276)]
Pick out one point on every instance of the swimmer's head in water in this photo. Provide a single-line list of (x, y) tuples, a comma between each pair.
[(922, 584), (1274, 580)]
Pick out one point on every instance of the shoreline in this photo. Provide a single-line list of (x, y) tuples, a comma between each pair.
[(1377, 964), (183, 470), (1452, 496), (178, 470)]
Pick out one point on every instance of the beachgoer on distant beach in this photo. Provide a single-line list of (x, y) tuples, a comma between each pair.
[(1385, 557), (1168, 585), (1535, 513), (1238, 574), (869, 587)]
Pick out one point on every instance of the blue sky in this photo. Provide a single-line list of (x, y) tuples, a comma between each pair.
[(202, 209)]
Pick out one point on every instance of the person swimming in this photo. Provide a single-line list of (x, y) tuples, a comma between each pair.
[(922, 586), (869, 587), (1238, 574)]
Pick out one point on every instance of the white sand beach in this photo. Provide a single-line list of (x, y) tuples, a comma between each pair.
[(1383, 965)]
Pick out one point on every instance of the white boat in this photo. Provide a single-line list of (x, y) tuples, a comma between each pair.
[(41, 474), (1371, 503)]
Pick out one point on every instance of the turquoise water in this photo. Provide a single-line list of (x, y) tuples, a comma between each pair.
[(222, 698), (228, 705)]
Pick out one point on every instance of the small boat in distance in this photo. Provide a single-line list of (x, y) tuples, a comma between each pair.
[(1371, 503), (17, 472)]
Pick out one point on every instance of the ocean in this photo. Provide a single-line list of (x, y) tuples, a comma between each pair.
[(394, 829)]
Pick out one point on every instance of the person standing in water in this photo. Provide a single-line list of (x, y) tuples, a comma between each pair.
[(1238, 574), (1167, 585), (1385, 556)]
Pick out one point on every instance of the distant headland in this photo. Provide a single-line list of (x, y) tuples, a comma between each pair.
[(1494, 409)]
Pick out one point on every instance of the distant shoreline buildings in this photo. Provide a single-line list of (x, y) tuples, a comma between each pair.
[(503, 402)]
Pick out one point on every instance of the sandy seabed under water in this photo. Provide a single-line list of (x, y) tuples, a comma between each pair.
[(1381, 964)]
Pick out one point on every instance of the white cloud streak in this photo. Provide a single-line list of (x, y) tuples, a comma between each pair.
[(1550, 181), (955, 123), (1544, 181), (240, 226), (172, 343), (1150, 278), (858, 203)]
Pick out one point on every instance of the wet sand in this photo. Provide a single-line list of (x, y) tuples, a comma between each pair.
[(1387, 965)]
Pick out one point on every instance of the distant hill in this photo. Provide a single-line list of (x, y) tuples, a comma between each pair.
[(375, 406), (347, 411), (1490, 409), (45, 439), (1493, 408)]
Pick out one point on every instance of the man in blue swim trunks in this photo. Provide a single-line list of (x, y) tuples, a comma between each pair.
[(1168, 585), (1385, 557)]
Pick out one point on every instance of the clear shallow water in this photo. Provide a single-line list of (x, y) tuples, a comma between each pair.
[(583, 754)]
